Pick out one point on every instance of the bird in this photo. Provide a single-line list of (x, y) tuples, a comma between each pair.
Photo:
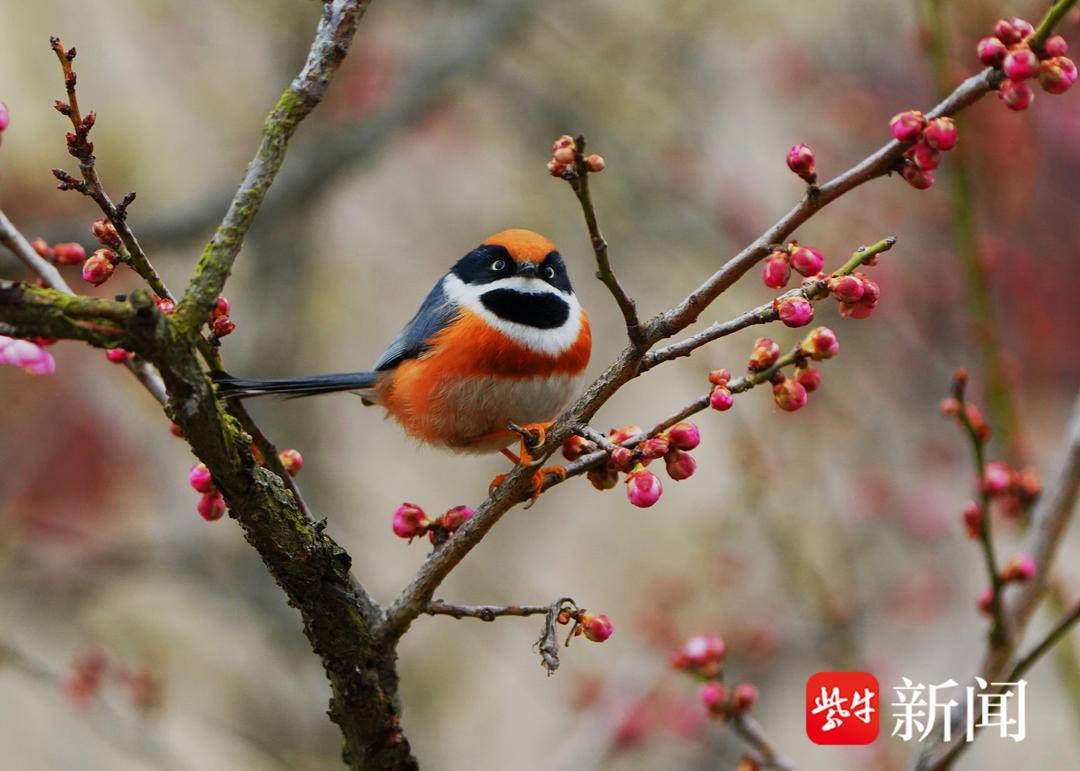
[(492, 356)]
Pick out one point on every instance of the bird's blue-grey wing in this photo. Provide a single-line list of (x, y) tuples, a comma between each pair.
[(435, 313)]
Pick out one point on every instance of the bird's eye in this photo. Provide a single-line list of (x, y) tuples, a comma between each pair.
[(549, 272), (498, 265)]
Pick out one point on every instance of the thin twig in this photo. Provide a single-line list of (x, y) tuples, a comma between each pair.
[(751, 732), (482, 612)]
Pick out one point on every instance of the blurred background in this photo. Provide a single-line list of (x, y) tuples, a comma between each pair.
[(829, 539)]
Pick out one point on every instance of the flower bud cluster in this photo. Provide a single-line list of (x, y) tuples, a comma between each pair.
[(596, 627), (776, 270), (564, 157), (1009, 50), (703, 657), (410, 521), (929, 138)]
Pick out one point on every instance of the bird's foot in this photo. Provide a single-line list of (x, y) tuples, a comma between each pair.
[(533, 436)]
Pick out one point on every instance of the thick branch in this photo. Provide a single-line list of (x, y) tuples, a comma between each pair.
[(332, 40)]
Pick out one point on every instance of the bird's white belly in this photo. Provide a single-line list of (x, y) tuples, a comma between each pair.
[(473, 407)]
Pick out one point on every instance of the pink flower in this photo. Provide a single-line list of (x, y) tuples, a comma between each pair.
[(821, 344), (720, 399), (973, 520), (69, 253), (997, 477), (776, 271), (199, 478), (941, 134), (1007, 33), (800, 159), (455, 518), (1016, 95), (714, 696), (684, 435), (211, 506), (5, 116), (846, 289), (576, 446), (925, 156), (920, 179), (292, 460), (223, 325), (789, 395), (992, 51), (1057, 75), (808, 377), (907, 126), (763, 355), (622, 458), (1055, 45), (30, 357), (105, 233), (700, 653), (1021, 64), (596, 626), (1020, 568), (1023, 26), (795, 311), (744, 698), (719, 377), (118, 355), (643, 487), (410, 521), (221, 308), (986, 601), (680, 465), (654, 447), (99, 267), (620, 435), (807, 260)]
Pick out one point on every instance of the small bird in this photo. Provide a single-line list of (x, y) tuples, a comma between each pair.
[(500, 340)]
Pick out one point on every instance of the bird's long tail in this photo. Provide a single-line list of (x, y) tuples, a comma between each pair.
[(229, 387)]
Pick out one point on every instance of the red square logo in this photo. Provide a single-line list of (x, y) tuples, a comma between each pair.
[(842, 708)]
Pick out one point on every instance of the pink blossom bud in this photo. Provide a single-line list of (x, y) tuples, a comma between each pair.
[(576, 446), (622, 458), (557, 169), (455, 518), (1023, 26), (41, 246), (564, 155), (603, 478), (907, 126), (1027, 483), (164, 304), (821, 344), (1006, 32), (596, 626), (620, 435), (920, 179), (69, 253), (973, 520), (800, 159), (1021, 64), (680, 465), (744, 697), (5, 116), (1021, 567), (221, 308), (1015, 95), (700, 653), (211, 506), (410, 521), (684, 435), (941, 134), (654, 447), (99, 267), (789, 395), (992, 51), (997, 477), (564, 141), (808, 377), (1057, 75), (27, 356), (776, 271), (925, 157), (105, 233), (643, 487), (763, 355), (795, 311), (595, 163), (223, 325), (986, 601), (807, 260), (1055, 45), (199, 478), (719, 377), (950, 408), (846, 289), (714, 696), (720, 399), (118, 355), (292, 460)]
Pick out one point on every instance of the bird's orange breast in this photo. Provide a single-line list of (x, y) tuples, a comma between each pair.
[(470, 382)]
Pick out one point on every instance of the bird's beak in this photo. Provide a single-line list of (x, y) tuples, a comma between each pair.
[(527, 269)]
